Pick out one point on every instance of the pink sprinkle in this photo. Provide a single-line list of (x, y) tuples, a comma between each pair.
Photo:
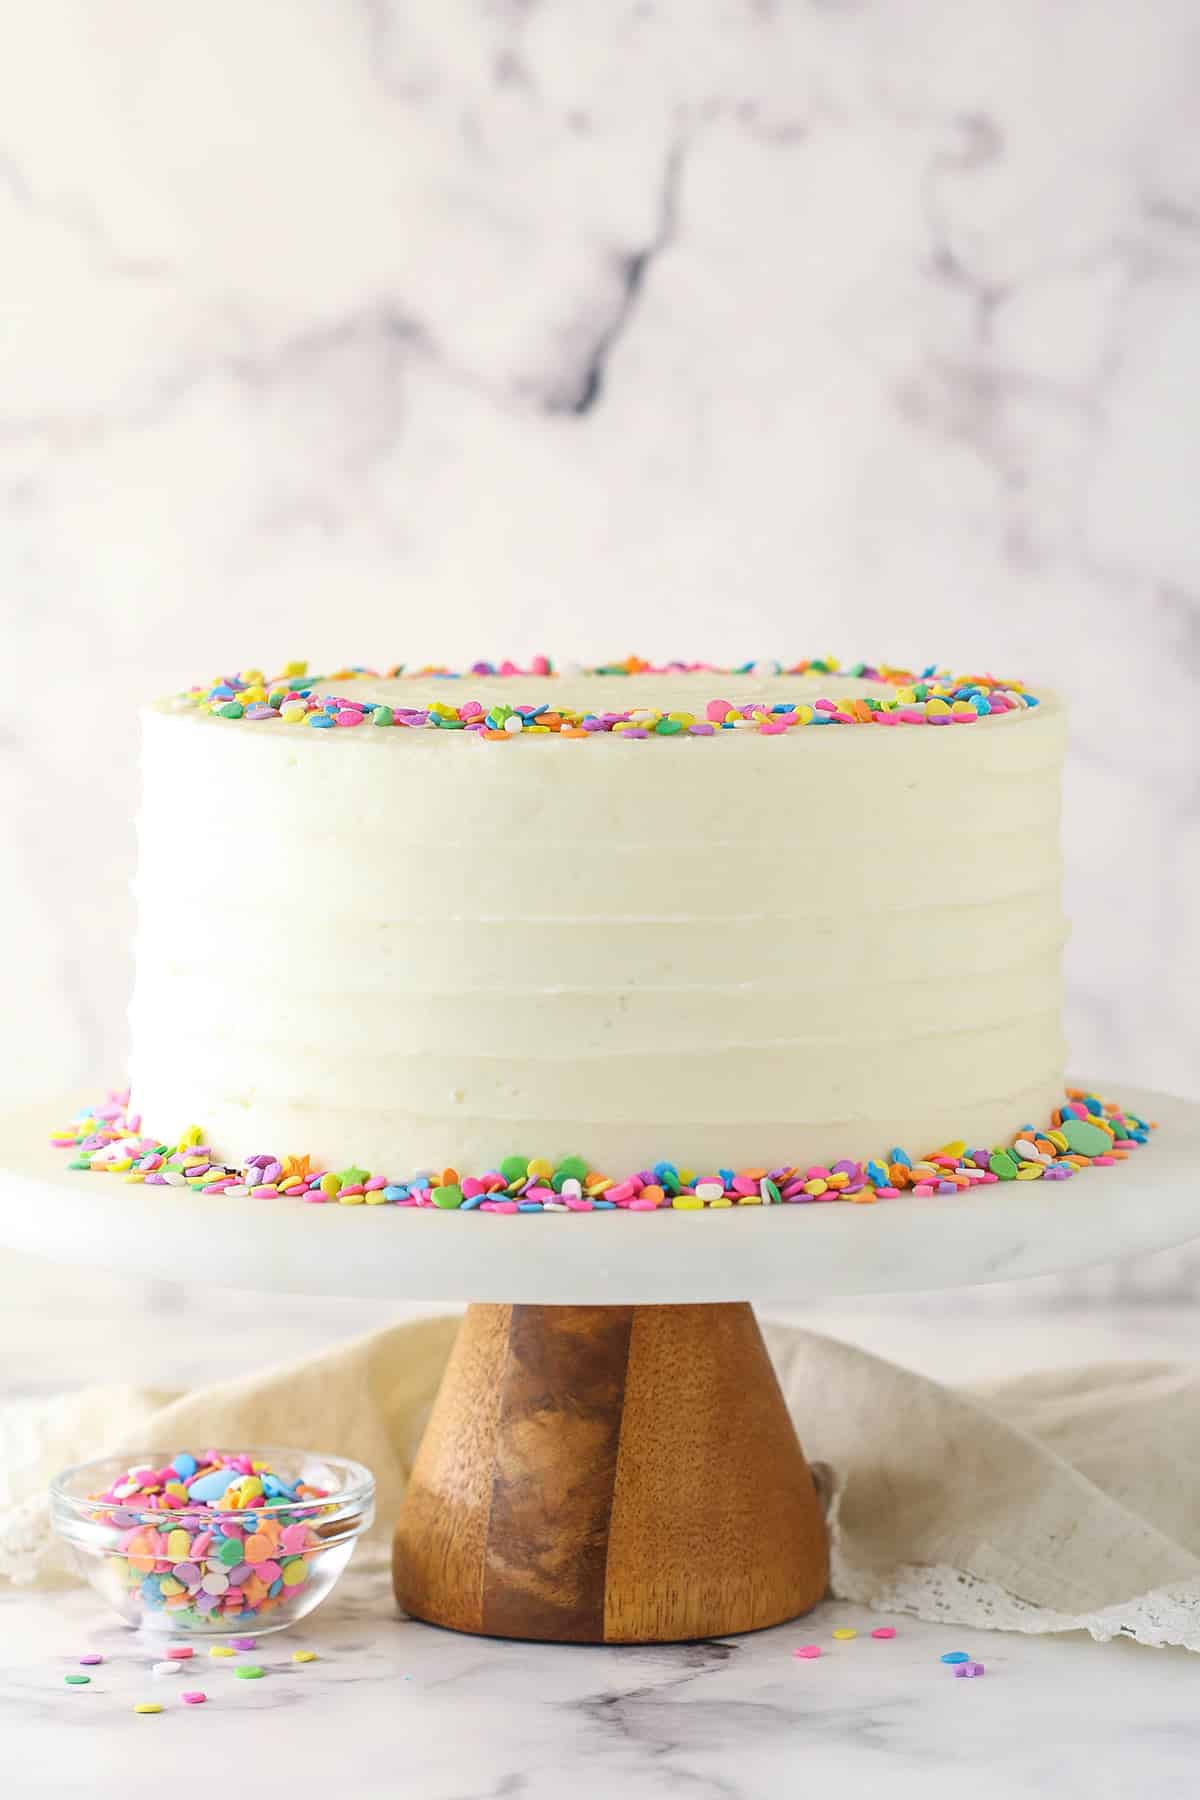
[(348, 716), (244, 1643), (180, 1652), (716, 710), (92, 1659), (194, 1697), (923, 1189), (1104, 1161), (808, 1651), (884, 1631)]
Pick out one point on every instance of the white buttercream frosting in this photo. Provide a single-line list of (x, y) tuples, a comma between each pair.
[(410, 948)]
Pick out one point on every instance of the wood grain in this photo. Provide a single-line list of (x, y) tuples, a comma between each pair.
[(439, 1550), (610, 1474)]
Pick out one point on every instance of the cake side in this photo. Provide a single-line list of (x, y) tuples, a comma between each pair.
[(429, 952)]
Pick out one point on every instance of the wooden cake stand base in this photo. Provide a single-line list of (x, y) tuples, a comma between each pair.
[(610, 1474)]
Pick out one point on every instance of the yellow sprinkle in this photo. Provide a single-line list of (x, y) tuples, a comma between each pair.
[(845, 1631), (1029, 1172), (749, 1199), (135, 1176), (304, 1656), (220, 1650), (351, 1199), (687, 1203), (330, 1183), (954, 1149), (147, 1706), (538, 1165), (293, 712), (815, 1186), (713, 1204), (803, 715)]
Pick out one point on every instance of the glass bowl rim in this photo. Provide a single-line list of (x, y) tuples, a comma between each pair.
[(359, 1490)]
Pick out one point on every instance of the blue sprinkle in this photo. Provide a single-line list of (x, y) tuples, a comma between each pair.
[(473, 1202), (395, 1193), (184, 1465), (726, 1177), (321, 721), (955, 1656), (529, 1206), (897, 1155)]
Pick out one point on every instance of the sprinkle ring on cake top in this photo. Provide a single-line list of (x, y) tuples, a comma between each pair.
[(928, 697)]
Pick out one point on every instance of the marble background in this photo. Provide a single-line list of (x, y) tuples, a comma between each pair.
[(385, 332)]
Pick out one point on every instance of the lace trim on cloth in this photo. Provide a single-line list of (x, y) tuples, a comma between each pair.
[(944, 1595)]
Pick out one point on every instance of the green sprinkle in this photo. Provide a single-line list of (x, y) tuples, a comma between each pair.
[(1003, 1165), (383, 715), (82, 1162), (667, 727), (249, 1672), (1085, 1139), (448, 1197), (514, 1168), (77, 1680), (570, 1167), (769, 1191), (232, 709), (353, 1177)]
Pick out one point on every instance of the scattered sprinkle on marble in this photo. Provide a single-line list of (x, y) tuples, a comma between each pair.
[(809, 1652), (166, 1668), (193, 1696), (955, 1656), (930, 696), (1085, 1131), (969, 1670), (884, 1631), (249, 1672), (147, 1706), (220, 1650), (77, 1680), (845, 1632), (180, 1652), (91, 1658), (244, 1643), (304, 1656)]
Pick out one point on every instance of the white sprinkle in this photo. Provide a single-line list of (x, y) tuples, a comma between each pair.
[(166, 1668), (513, 724)]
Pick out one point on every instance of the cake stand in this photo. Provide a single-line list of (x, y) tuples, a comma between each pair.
[(609, 1458)]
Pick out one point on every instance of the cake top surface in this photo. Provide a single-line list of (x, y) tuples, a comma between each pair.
[(633, 699)]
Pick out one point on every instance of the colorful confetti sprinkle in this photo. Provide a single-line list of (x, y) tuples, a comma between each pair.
[(209, 1536), (1084, 1132), (931, 696)]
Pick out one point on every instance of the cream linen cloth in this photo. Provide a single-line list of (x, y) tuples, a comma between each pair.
[(1055, 1501)]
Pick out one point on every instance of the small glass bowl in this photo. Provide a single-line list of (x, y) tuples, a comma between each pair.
[(113, 1550)]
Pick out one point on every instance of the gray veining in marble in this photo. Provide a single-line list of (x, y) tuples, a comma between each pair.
[(396, 1708)]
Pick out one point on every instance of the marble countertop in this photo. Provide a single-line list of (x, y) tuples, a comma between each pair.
[(395, 1708)]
